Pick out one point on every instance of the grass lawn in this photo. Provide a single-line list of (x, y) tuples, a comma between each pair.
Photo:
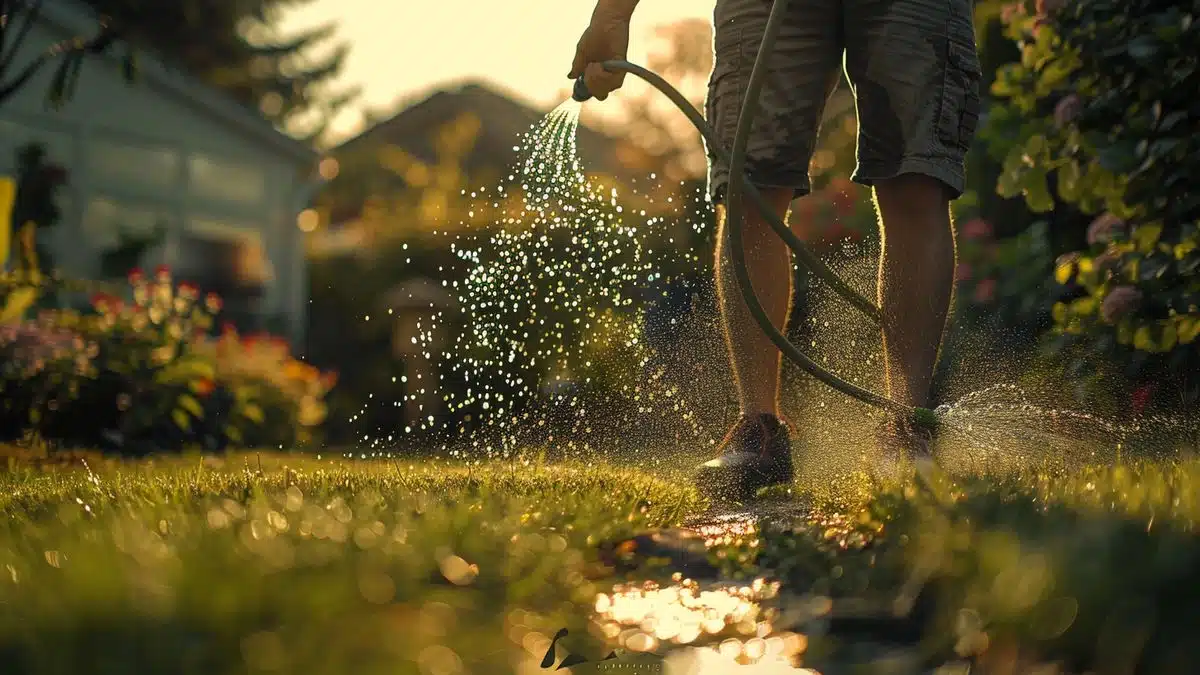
[(292, 564)]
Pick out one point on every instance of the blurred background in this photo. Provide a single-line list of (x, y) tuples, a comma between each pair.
[(306, 159)]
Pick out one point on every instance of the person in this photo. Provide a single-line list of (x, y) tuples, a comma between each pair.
[(914, 72)]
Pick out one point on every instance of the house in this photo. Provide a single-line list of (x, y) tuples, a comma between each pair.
[(207, 185), (494, 124)]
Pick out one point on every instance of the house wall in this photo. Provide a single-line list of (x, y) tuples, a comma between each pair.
[(141, 154)]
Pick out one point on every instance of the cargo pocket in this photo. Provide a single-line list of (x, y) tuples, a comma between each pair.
[(725, 85), (960, 96)]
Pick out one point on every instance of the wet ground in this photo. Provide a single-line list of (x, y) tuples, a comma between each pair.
[(705, 620)]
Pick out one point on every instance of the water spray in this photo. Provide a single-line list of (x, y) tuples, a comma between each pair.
[(740, 184)]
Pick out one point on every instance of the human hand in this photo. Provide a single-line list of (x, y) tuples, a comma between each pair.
[(606, 38)]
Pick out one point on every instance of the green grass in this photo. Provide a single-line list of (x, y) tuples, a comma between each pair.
[(306, 566), (1097, 569), (290, 564)]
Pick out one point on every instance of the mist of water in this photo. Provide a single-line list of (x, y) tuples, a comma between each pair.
[(553, 352)]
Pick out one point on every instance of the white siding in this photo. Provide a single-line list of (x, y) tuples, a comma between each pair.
[(142, 153)]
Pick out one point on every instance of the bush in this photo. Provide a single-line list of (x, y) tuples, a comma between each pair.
[(145, 375), (1097, 116)]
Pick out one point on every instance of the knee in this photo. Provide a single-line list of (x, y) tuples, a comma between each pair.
[(753, 222), (916, 199), (913, 194)]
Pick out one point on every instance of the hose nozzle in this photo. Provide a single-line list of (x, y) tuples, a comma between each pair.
[(580, 93)]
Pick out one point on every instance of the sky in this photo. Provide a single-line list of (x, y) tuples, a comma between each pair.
[(404, 49)]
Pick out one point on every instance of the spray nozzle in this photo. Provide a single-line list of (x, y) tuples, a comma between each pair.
[(580, 93)]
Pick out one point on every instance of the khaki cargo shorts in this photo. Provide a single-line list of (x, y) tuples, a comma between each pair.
[(912, 67)]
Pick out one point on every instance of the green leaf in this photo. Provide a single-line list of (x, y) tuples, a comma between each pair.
[(185, 370), (181, 419), (1119, 157), (253, 412), (190, 404), (1010, 182), (1142, 48), (1146, 236), (1037, 191), (17, 304), (1069, 184)]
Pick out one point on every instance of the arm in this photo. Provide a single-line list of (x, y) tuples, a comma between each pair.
[(606, 38), (617, 8)]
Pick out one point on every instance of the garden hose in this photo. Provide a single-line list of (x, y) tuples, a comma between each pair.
[(739, 184), (802, 252)]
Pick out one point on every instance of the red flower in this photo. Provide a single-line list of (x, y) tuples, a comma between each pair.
[(985, 292), (977, 229), (212, 302), (136, 276), (188, 289), (204, 387), (162, 273), (1140, 398)]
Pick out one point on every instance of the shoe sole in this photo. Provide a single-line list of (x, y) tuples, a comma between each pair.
[(740, 483)]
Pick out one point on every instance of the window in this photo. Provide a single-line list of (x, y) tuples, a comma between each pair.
[(123, 234), (113, 162), (231, 260), (225, 180)]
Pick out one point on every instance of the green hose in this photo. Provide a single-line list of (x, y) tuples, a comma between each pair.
[(738, 184), (802, 252)]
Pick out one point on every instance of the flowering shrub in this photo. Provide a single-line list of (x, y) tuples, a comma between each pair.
[(1098, 115), (279, 399), (1004, 280), (142, 374), (39, 363), (840, 211)]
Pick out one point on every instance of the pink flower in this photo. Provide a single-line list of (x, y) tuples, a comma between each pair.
[(1104, 228), (1120, 302), (977, 229), (985, 292), (1067, 110), (1011, 11), (1068, 258), (1048, 7)]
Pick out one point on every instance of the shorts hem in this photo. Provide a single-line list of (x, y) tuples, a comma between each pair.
[(953, 178), (799, 187)]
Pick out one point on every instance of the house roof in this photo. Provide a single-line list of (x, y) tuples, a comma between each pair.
[(505, 121), (78, 19)]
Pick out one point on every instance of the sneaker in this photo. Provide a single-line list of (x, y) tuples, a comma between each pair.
[(756, 453)]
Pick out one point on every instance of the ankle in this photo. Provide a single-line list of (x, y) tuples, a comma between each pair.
[(771, 421)]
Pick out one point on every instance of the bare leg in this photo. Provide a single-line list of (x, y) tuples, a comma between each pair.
[(755, 359), (916, 281)]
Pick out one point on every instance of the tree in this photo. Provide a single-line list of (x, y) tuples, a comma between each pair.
[(17, 18), (234, 47)]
